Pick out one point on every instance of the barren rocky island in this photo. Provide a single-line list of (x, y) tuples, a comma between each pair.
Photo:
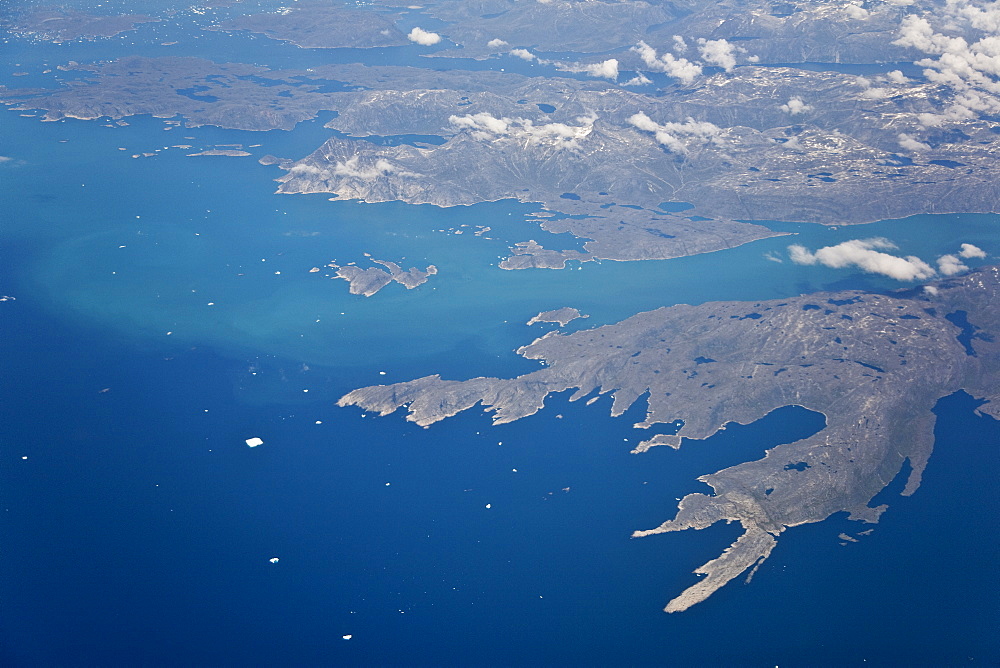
[(875, 365)]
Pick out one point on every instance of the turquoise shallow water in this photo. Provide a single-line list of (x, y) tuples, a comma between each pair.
[(144, 246), (140, 527)]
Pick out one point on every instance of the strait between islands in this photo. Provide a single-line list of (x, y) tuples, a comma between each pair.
[(602, 160), (873, 364)]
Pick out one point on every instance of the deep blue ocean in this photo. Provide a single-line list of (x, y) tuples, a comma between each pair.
[(137, 528)]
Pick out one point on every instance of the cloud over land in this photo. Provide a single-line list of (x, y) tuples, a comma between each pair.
[(423, 37)]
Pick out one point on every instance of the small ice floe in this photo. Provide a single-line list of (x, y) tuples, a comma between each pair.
[(319, 422), (381, 373), (273, 560), (25, 457), (489, 505), (254, 442), (347, 637)]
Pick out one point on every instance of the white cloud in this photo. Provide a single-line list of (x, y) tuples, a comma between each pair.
[(970, 69), (949, 265), (875, 93), (678, 68), (304, 168), (644, 122), (482, 122), (856, 12), (496, 43), (862, 253), (680, 46), (638, 80), (931, 290), (647, 53), (908, 143), (801, 255), (929, 120), (718, 52), (424, 37), (678, 137), (485, 127), (351, 168), (896, 77), (985, 18), (606, 70), (794, 144), (795, 106), (970, 251)]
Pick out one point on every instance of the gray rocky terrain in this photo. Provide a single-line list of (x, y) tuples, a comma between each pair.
[(369, 281), (320, 26), (59, 24), (738, 140), (875, 365)]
